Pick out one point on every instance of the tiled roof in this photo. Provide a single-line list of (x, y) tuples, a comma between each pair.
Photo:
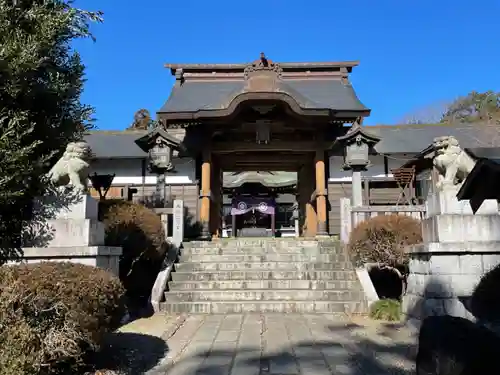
[(410, 139), (415, 138), (192, 96), (115, 144)]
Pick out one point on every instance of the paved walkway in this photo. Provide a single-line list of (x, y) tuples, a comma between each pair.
[(278, 344)]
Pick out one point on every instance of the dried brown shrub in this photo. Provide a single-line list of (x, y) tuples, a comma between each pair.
[(53, 315), (139, 231), (382, 239)]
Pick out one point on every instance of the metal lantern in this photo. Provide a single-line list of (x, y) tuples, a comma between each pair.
[(160, 156), (356, 153), (160, 146), (357, 143)]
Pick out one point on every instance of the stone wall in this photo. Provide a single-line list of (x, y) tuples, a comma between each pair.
[(72, 234), (458, 248)]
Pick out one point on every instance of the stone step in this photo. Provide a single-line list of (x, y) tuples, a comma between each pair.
[(293, 250), (265, 284), (238, 307), (263, 295), (230, 266), (241, 242), (265, 257), (263, 275)]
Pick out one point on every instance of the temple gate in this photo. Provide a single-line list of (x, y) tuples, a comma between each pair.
[(262, 116)]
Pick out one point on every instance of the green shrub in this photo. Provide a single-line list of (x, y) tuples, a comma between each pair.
[(382, 239), (139, 231), (53, 315), (386, 309)]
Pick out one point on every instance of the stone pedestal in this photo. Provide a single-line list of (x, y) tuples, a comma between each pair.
[(458, 248), (73, 233)]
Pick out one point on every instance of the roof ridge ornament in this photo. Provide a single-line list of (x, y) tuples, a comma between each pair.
[(263, 64)]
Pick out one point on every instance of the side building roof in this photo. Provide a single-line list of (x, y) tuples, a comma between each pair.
[(408, 139), (415, 138)]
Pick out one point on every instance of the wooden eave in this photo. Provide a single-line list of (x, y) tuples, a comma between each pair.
[(236, 102), (304, 66), (422, 161), (146, 140), (359, 130)]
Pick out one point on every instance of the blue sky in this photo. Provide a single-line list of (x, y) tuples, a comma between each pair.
[(413, 53)]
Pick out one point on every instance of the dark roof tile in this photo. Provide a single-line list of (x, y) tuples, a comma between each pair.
[(410, 139), (414, 138), (192, 96), (118, 144)]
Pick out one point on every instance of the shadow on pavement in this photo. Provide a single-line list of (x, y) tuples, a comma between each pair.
[(130, 353), (356, 356)]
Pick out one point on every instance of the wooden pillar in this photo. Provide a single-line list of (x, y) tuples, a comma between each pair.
[(321, 192), (205, 194), (311, 227), (216, 196)]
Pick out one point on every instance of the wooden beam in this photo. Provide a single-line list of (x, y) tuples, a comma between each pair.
[(260, 167), (275, 146), (265, 158)]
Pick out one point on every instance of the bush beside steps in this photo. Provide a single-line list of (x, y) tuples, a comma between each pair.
[(53, 316), (386, 309), (139, 231), (380, 242)]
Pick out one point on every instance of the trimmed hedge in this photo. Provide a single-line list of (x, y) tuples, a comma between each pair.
[(139, 231), (53, 315), (382, 239)]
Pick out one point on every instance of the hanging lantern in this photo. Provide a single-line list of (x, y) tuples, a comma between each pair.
[(160, 156), (356, 153), (357, 144)]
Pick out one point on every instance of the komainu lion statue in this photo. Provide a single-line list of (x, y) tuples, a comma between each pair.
[(452, 162), (73, 167)]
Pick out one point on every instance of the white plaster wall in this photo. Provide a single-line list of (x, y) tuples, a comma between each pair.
[(375, 170), (129, 171)]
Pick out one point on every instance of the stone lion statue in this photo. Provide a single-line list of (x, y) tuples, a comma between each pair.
[(452, 162), (73, 167)]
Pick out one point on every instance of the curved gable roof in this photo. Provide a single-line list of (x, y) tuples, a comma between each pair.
[(309, 94)]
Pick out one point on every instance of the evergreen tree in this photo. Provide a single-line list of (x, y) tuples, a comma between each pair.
[(41, 80)]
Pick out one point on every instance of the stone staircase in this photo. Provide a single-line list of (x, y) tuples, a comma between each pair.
[(264, 275)]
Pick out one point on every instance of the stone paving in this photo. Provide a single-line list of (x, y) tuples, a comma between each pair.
[(286, 344)]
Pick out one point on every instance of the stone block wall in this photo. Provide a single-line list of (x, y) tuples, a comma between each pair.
[(458, 249), (74, 234)]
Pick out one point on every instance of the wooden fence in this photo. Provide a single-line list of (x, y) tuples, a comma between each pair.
[(351, 216)]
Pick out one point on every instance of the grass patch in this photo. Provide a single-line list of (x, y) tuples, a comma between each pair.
[(386, 309)]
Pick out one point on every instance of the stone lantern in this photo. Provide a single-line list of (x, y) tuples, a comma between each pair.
[(357, 144), (160, 146)]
